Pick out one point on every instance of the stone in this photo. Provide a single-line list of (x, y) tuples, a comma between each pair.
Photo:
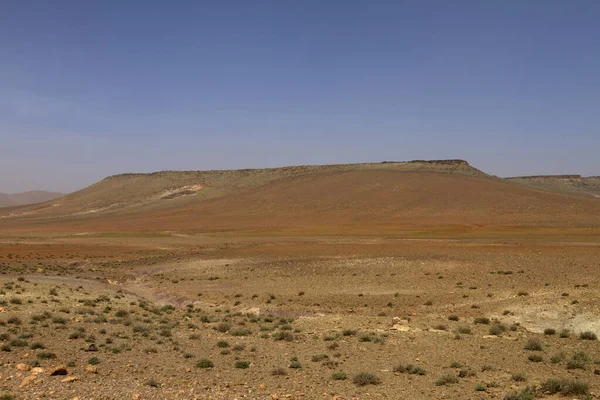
[(37, 370), (24, 367), (70, 379), (29, 379), (92, 347), (91, 369), (60, 370)]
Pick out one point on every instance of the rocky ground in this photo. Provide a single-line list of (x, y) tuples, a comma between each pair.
[(305, 318)]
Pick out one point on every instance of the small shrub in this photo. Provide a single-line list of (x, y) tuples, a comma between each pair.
[(365, 378), (588, 335), (533, 344), (482, 320), (242, 364), (535, 358), (446, 380), (45, 355), (549, 331), (284, 335), (153, 383), (204, 363), (18, 343), (558, 357), (464, 330), (579, 360), (565, 333), (222, 344), (294, 363), (453, 318), (93, 361), (339, 376), (409, 369), (565, 387), (519, 377), (240, 332), (480, 388), (498, 329), (319, 357)]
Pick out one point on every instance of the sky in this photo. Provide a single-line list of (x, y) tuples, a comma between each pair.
[(94, 88)]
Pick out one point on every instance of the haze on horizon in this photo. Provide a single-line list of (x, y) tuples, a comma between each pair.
[(90, 89)]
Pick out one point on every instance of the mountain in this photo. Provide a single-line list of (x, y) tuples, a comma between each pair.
[(34, 196), (332, 199)]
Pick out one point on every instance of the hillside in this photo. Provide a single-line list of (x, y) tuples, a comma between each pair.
[(332, 199), (570, 184), (31, 197)]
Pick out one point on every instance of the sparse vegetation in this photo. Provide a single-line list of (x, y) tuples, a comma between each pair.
[(533, 344), (365, 378), (446, 380)]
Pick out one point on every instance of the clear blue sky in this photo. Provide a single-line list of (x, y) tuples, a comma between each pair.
[(93, 88)]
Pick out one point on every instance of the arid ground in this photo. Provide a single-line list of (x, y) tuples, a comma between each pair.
[(384, 281)]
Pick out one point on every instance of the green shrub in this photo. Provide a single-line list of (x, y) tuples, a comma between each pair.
[(319, 357), (480, 388), (519, 377), (365, 378), (409, 369), (242, 364), (565, 387), (446, 380), (339, 376), (204, 363)]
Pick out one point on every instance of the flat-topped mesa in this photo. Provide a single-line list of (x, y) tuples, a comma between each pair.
[(295, 169), (456, 162)]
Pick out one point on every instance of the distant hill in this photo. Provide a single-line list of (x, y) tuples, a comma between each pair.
[(331, 198), (569, 184), (34, 196)]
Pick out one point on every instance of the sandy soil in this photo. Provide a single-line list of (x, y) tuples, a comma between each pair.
[(156, 306)]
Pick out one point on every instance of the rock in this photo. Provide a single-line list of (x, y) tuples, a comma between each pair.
[(29, 379), (37, 370), (24, 367), (136, 396), (60, 370), (92, 347), (70, 379), (91, 369)]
